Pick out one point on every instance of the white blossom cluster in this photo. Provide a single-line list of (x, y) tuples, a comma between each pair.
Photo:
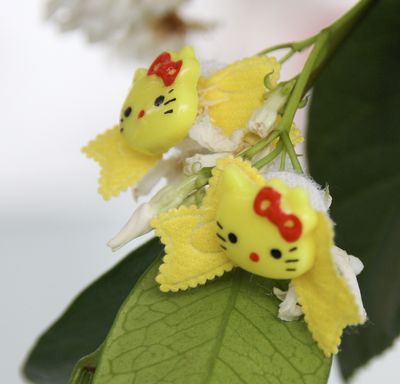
[(139, 28)]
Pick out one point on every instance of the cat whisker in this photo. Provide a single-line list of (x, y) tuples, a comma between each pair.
[(170, 101), (291, 269), (291, 260), (171, 90), (220, 237), (220, 225), (169, 111), (293, 249), (223, 247)]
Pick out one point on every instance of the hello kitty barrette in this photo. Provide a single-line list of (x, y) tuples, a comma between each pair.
[(267, 228), (164, 103)]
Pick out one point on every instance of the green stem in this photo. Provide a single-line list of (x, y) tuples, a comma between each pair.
[(291, 152), (338, 33), (295, 46), (282, 165), (326, 42), (301, 83), (271, 156)]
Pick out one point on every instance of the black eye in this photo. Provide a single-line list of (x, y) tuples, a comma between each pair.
[(232, 238), (276, 253), (159, 101), (127, 111)]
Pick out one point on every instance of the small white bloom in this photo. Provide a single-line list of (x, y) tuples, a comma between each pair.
[(263, 119), (289, 310), (135, 27), (137, 225), (169, 197), (349, 267)]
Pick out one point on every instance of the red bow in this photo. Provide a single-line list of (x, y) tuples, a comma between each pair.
[(289, 225), (165, 68)]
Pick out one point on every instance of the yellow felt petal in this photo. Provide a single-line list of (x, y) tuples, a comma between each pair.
[(327, 301), (233, 93), (120, 165), (193, 255)]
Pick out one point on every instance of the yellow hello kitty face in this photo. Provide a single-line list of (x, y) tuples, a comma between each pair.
[(162, 104), (267, 231)]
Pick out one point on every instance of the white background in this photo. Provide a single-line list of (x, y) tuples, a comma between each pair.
[(56, 93)]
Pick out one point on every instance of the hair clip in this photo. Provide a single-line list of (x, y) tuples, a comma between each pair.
[(267, 228), (164, 104)]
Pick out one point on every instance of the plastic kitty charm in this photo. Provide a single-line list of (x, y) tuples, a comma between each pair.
[(266, 228), (162, 106), (157, 113)]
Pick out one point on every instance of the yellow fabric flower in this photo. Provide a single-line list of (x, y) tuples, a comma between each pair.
[(120, 166), (233, 93), (194, 254), (157, 114)]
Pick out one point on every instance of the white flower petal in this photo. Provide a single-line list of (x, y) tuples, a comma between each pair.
[(137, 225), (348, 267), (212, 138), (289, 310), (263, 119), (170, 196), (170, 169)]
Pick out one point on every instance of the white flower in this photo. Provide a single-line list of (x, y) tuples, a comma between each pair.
[(137, 225), (289, 310), (169, 197), (263, 119), (136, 27), (349, 267)]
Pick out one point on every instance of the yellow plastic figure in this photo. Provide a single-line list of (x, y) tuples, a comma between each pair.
[(162, 106), (266, 228), (157, 114), (267, 231)]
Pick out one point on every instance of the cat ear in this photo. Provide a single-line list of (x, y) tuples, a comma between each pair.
[(139, 73), (235, 180), (190, 71), (187, 52)]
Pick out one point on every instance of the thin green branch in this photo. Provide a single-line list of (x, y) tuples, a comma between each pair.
[(295, 46), (282, 165), (298, 91), (291, 152), (271, 156), (339, 31)]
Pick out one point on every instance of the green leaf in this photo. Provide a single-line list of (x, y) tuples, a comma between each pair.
[(353, 145), (84, 325), (226, 331)]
